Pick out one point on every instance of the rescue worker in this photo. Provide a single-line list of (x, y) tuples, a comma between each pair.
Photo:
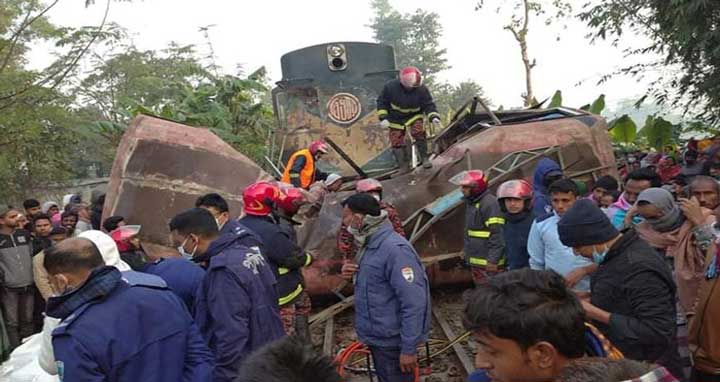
[(128, 242), (285, 257), (392, 295), (136, 323), (346, 244), (295, 313), (403, 103), (484, 243), (236, 306), (515, 198), (301, 169)]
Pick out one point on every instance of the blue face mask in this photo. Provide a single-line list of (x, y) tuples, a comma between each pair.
[(599, 257)]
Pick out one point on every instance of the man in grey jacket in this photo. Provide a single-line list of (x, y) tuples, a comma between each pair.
[(16, 277)]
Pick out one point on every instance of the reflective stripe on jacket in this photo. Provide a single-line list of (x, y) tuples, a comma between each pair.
[(484, 240), (305, 174), (402, 107)]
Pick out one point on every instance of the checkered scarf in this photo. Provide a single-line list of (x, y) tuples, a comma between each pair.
[(99, 284)]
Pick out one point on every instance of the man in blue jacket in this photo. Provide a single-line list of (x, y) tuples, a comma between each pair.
[(546, 172), (392, 295), (117, 328), (218, 207), (183, 277), (236, 306)]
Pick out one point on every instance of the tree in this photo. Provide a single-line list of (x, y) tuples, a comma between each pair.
[(174, 84), (683, 49), (37, 120), (415, 38), (449, 98), (519, 26)]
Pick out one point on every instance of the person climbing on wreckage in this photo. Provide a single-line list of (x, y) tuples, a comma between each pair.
[(402, 104)]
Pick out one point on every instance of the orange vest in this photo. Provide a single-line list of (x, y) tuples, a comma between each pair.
[(307, 174)]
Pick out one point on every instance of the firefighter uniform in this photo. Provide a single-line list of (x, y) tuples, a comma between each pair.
[(484, 242), (301, 169), (286, 260), (404, 108)]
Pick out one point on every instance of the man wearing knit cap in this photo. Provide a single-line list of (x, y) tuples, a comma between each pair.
[(633, 294), (392, 295)]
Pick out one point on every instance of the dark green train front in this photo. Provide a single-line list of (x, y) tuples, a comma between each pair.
[(330, 91)]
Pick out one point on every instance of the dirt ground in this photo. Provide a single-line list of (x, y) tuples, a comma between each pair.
[(443, 367)]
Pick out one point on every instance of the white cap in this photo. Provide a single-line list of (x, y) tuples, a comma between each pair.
[(332, 178), (106, 245)]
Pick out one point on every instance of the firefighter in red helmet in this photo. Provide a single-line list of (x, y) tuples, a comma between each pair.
[(263, 200), (403, 104), (301, 169), (515, 198), (345, 241), (484, 244)]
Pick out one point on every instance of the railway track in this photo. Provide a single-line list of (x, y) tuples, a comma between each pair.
[(448, 355)]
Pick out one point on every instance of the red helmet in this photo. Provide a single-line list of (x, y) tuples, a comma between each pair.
[(258, 198), (320, 146), (517, 188), (475, 179), (368, 185), (122, 235), (291, 199), (410, 77)]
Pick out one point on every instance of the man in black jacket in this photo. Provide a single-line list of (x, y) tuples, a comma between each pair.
[(402, 104), (633, 292)]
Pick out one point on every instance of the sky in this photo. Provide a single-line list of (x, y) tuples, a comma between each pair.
[(256, 33)]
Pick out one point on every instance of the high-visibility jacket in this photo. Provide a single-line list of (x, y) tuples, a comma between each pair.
[(300, 169), (484, 242), (402, 107)]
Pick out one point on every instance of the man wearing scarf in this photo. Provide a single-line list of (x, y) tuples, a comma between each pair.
[(118, 328), (676, 231), (392, 295)]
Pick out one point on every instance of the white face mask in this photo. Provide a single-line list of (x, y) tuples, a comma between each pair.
[(182, 251)]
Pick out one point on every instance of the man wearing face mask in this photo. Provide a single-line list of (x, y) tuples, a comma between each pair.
[(236, 306), (98, 299), (346, 243), (632, 300), (392, 295), (218, 207)]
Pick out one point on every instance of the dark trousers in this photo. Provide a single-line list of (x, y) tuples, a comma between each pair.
[(387, 365), (17, 307), (698, 376)]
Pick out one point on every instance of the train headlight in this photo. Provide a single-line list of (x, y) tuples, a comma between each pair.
[(336, 50)]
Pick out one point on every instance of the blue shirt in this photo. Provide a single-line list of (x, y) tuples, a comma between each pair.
[(547, 252)]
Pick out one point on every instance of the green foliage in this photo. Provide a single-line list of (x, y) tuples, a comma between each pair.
[(449, 98), (40, 144), (623, 130), (415, 38), (657, 132), (683, 48), (556, 100), (598, 105), (173, 84)]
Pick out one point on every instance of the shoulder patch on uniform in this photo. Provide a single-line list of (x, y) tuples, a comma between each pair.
[(254, 260), (408, 274), (547, 216), (143, 279)]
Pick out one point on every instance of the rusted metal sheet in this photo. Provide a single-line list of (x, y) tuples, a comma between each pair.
[(583, 145), (161, 168)]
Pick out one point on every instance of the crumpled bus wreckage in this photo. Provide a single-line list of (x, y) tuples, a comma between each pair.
[(328, 91)]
